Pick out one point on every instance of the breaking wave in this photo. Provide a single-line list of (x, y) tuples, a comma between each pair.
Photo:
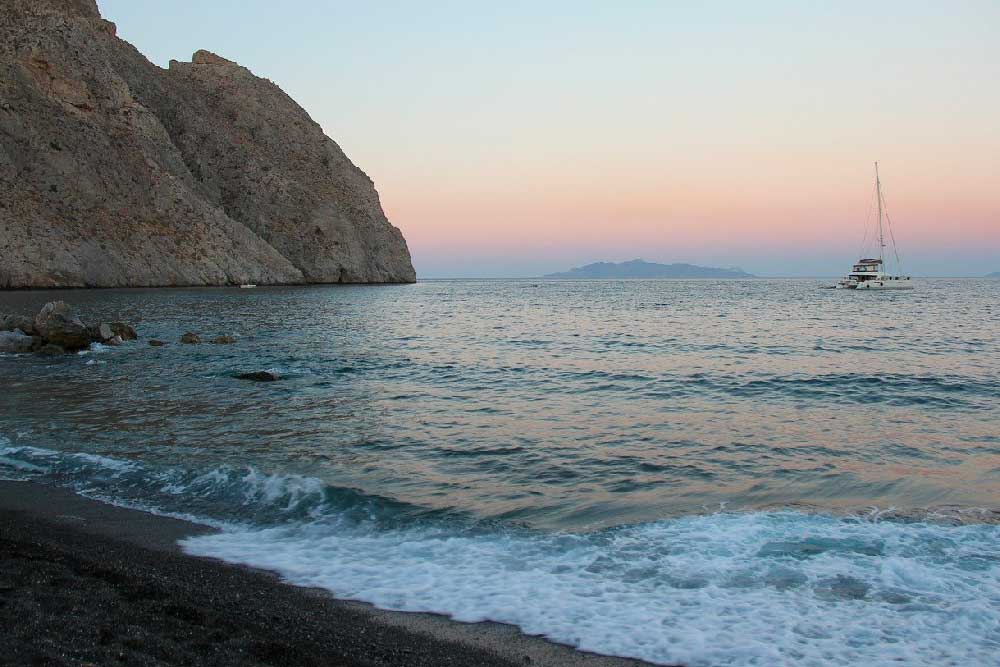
[(722, 589)]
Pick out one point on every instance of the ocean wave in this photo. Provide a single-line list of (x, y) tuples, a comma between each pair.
[(237, 495), (899, 389), (721, 589), (726, 589)]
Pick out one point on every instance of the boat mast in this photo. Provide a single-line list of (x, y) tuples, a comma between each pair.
[(881, 237)]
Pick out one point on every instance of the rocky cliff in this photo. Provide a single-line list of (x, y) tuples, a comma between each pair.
[(115, 172)]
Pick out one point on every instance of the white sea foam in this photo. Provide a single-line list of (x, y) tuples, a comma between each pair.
[(721, 590), (95, 348), (287, 489)]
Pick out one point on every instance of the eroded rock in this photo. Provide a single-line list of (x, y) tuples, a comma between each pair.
[(200, 174), (18, 322), (59, 325), (101, 332), (125, 331)]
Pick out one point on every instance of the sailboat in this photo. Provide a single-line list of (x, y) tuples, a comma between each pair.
[(871, 273)]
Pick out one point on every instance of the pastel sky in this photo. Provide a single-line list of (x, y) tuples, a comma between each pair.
[(519, 138)]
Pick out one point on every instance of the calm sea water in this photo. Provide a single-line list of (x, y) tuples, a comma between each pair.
[(705, 472)]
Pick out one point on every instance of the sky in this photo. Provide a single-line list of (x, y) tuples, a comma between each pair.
[(521, 138)]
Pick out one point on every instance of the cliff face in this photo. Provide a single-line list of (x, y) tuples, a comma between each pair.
[(115, 172)]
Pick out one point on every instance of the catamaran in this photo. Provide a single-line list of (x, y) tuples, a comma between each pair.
[(868, 274)]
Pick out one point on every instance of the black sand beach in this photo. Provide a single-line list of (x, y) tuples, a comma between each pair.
[(85, 583)]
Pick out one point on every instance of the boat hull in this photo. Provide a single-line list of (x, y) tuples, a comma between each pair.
[(884, 285)]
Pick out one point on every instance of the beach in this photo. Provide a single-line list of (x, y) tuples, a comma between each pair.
[(83, 582)]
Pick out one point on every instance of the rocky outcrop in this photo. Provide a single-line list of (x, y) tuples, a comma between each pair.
[(115, 172), (57, 324), (17, 342), (57, 329), (21, 323)]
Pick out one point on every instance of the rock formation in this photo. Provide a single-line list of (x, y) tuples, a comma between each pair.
[(115, 172), (57, 329)]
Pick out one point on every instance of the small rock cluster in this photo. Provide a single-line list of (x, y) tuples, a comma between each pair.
[(56, 329), (191, 338)]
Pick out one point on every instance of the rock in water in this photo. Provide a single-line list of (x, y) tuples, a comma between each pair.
[(258, 376), (223, 340), (191, 338), (57, 324), (114, 172), (102, 332), (18, 323), (125, 331), (17, 342), (156, 343)]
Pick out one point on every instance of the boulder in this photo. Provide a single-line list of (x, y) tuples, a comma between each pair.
[(49, 309), (51, 350), (101, 332), (17, 342), (156, 343), (191, 338), (223, 340), (124, 330), (258, 376), (114, 340), (15, 322), (57, 324)]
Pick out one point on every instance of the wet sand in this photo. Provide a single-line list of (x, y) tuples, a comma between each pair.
[(83, 582)]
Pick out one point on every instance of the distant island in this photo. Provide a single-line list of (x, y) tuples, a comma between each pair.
[(638, 268), (995, 274)]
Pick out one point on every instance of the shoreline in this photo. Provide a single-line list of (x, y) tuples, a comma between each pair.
[(102, 288), (85, 581)]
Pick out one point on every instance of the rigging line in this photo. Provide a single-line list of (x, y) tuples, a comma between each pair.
[(895, 251), (868, 218)]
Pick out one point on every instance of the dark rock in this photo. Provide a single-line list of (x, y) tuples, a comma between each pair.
[(258, 376), (127, 332), (101, 332), (16, 342), (15, 322), (114, 340), (223, 340), (51, 350), (191, 338), (57, 324), (156, 343)]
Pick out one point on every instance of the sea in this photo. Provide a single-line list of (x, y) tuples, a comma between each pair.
[(696, 472)]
